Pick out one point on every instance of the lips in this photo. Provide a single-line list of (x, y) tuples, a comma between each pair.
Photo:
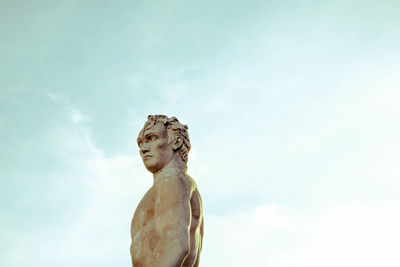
[(147, 156)]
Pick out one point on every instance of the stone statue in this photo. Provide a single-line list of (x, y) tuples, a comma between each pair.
[(167, 227)]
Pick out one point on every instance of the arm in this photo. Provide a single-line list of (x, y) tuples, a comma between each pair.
[(172, 216)]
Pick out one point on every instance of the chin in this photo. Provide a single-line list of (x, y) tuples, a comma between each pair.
[(152, 167)]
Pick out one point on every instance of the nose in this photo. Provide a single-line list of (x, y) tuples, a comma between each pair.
[(145, 148)]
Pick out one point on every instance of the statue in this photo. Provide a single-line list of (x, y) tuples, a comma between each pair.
[(167, 227)]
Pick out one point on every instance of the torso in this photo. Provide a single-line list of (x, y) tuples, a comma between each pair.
[(142, 229), (144, 236)]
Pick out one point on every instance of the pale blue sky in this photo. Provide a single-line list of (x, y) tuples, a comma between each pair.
[(293, 112)]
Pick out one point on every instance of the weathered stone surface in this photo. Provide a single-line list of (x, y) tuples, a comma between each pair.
[(167, 227)]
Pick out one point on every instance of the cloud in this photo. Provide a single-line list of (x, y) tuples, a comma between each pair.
[(245, 238), (93, 223), (356, 233)]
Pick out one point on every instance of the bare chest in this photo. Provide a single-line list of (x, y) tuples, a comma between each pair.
[(144, 214), (143, 232)]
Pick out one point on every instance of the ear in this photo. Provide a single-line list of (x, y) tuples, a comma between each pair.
[(178, 143)]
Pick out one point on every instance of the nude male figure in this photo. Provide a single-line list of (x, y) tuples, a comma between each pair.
[(167, 227)]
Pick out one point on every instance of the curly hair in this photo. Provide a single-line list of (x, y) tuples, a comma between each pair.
[(179, 130)]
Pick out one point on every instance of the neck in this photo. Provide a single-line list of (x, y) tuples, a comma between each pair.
[(175, 167)]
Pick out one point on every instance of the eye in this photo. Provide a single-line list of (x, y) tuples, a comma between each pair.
[(151, 138)]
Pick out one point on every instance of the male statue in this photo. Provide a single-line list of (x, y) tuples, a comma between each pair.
[(167, 227)]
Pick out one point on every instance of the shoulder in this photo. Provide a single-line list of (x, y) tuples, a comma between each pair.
[(192, 182), (174, 181), (179, 186), (145, 202), (147, 197)]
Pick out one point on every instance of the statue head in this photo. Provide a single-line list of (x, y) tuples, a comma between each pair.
[(161, 140)]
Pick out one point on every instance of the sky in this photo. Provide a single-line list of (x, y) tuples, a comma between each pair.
[(293, 111)]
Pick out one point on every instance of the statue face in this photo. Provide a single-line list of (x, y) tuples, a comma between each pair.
[(155, 149)]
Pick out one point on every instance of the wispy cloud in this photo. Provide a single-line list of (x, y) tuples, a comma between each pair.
[(350, 234), (97, 233)]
